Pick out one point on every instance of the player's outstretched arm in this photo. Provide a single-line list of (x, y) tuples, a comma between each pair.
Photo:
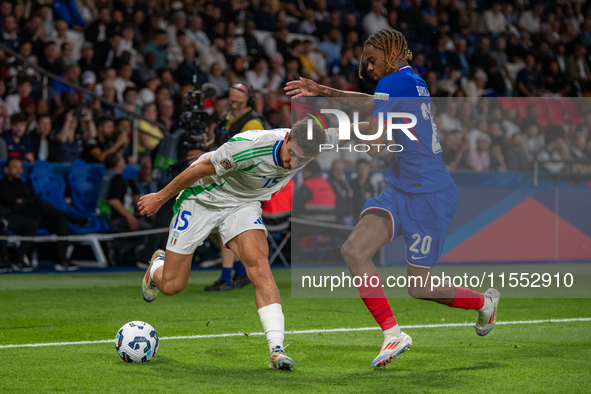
[(308, 88), (151, 203)]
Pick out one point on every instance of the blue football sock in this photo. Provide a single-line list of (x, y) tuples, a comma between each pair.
[(239, 268), (227, 275)]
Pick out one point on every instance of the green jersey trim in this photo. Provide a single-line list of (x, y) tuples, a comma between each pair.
[(269, 153), (193, 191), (233, 139)]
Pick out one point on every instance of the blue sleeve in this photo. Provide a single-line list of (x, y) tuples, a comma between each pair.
[(60, 12), (384, 97), (78, 19)]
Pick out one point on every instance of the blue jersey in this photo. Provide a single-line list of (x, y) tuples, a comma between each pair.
[(419, 167)]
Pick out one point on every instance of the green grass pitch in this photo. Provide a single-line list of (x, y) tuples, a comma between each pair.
[(38, 308)]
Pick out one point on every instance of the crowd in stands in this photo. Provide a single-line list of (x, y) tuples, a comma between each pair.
[(143, 55)]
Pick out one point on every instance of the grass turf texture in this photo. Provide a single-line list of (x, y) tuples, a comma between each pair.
[(549, 357)]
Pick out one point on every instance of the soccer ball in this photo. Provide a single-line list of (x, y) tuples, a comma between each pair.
[(136, 342)]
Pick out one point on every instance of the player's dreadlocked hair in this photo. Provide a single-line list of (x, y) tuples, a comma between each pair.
[(392, 43)]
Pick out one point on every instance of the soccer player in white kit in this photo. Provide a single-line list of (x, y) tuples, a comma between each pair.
[(222, 190)]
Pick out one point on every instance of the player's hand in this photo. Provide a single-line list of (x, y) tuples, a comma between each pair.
[(149, 204), (132, 222), (302, 88)]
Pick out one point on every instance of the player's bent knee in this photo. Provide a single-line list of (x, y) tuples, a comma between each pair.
[(352, 253)]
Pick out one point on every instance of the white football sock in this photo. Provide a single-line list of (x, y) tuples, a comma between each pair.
[(273, 324), (392, 331), (159, 262)]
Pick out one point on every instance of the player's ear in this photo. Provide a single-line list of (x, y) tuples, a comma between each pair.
[(287, 135)]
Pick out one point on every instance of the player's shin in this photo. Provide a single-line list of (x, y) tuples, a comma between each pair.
[(273, 324), (376, 302)]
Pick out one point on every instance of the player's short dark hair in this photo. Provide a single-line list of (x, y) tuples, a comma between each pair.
[(299, 135), (111, 160)]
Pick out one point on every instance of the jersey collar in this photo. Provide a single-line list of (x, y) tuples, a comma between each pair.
[(276, 149), (405, 67)]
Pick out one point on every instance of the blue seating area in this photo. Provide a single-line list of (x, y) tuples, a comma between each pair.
[(54, 182)]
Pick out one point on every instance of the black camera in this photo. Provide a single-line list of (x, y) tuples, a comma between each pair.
[(195, 123)]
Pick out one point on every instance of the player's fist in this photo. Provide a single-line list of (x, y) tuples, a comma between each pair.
[(149, 204), (302, 88)]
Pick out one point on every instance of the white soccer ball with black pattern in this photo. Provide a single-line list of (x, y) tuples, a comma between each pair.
[(136, 342)]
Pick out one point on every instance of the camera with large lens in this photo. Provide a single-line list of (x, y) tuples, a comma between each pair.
[(194, 120)]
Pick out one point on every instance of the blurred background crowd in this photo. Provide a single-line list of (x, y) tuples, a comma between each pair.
[(142, 55), (103, 81)]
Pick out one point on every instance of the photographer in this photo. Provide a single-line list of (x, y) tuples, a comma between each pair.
[(241, 116)]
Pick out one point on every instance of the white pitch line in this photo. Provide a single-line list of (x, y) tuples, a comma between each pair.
[(240, 334)]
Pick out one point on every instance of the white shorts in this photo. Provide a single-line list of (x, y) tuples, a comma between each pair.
[(194, 221)]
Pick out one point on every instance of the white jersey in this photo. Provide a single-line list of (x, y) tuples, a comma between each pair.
[(247, 169)]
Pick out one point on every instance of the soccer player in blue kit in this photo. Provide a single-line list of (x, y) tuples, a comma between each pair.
[(419, 204)]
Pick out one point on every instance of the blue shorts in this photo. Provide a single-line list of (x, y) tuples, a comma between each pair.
[(421, 218)]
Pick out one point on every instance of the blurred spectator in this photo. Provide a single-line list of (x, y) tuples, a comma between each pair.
[(579, 69), (120, 198), (375, 19), (257, 77), (105, 143), (479, 159), (123, 81), (497, 159), (3, 149), (479, 131), (316, 199), (555, 151), (188, 68), (361, 188), (195, 34), (18, 143), (494, 20), (509, 124), (148, 93), (158, 46), (43, 147), (150, 135), (530, 19), (143, 180), (9, 34), (555, 81), (330, 46), (49, 60), (455, 151), (13, 101), (527, 83), (97, 31), (533, 141), (63, 35), (217, 78), (341, 188), (68, 141), (29, 109), (515, 156), (448, 121)]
